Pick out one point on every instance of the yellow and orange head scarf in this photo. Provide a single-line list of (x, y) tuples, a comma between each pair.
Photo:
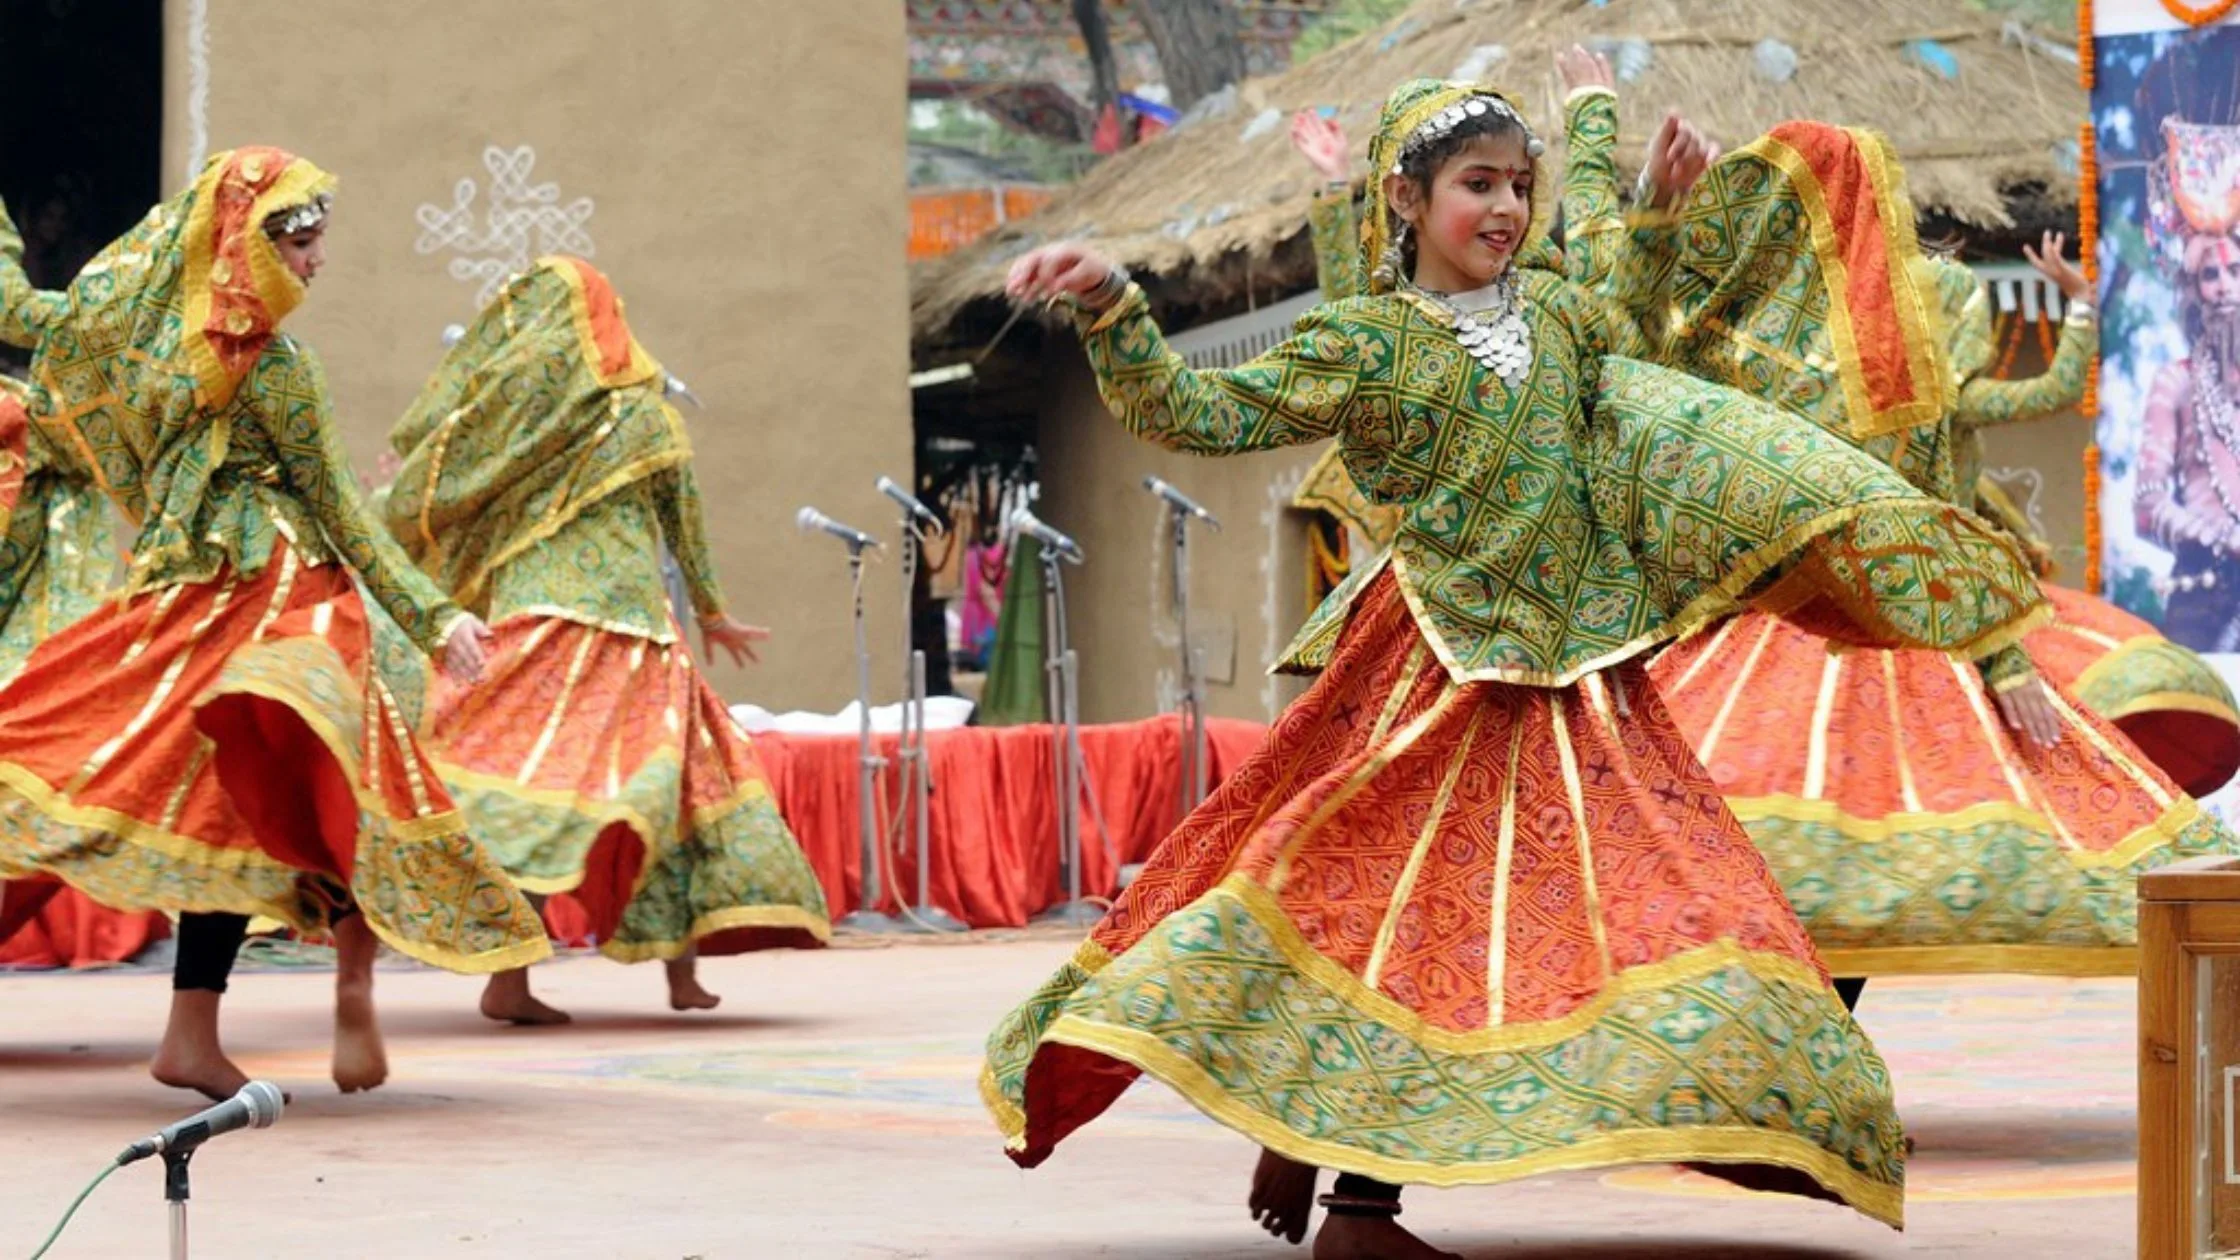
[(137, 372), (545, 406), (1412, 107)]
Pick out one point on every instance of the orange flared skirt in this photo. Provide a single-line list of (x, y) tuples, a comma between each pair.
[(1911, 829), (225, 746), (602, 766), (1463, 933)]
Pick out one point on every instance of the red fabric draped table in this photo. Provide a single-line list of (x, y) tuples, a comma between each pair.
[(994, 846), (51, 926)]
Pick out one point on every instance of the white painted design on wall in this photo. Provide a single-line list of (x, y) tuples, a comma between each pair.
[(496, 232), (2033, 484), (198, 87)]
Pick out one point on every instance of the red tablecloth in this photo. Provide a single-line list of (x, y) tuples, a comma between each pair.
[(994, 847), (995, 828), (69, 930)]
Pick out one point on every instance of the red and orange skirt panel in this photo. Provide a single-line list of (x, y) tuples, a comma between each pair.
[(226, 746), (1911, 830), (1463, 933), (600, 765), (2172, 703)]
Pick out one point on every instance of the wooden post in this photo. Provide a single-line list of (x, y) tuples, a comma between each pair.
[(2189, 1039)]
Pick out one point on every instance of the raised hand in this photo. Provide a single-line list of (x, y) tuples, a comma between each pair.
[(1066, 269), (1678, 157), (1322, 142), (2050, 264), (1581, 67)]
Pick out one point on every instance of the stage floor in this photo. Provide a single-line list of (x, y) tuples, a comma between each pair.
[(830, 1110)]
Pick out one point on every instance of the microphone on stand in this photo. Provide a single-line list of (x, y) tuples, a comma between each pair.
[(257, 1106), (809, 519), (919, 511), (676, 388), (1024, 522), (1179, 501)]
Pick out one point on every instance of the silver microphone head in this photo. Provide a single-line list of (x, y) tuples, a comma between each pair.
[(265, 1102), (453, 334), (807, 519)]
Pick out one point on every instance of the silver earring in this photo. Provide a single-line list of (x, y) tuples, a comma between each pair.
[(1390, 259)]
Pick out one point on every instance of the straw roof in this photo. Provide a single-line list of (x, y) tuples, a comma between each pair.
[(1204, 205)]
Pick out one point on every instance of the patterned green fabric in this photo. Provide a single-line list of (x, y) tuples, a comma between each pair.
[(25, 311), (57, 554), (1337, 244), (740, 858), (1593, 220), (2142, 674), (212, 473), (1514, 561), (2003, 881), (598, 569), (535, 467), (1986, 401), (1215, 996)]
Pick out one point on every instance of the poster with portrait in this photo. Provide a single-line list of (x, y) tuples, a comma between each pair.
[(2166, 117), (2166, 130)]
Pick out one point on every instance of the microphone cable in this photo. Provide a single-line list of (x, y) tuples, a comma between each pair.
[(75, 1204)]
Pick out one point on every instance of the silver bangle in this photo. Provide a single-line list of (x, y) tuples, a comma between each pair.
[(1110, 290)]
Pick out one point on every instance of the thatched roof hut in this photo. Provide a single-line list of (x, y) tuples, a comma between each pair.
[(1984, 113)]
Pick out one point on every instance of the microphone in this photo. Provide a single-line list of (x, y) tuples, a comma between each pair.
[(453, 334), (1179, 501), (918, 511), (675, 388), (810, 519), (1024, 522), (257, 1106)]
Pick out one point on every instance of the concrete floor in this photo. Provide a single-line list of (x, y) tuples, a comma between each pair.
[(829, 1110)]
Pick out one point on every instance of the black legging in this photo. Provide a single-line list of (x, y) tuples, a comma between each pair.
[(207, 946), (1849, 988)]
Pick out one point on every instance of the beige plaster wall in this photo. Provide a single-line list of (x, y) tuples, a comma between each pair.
[(1248, 581), (745, 162)]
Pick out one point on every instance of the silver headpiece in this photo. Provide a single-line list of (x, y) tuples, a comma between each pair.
[(1442, 124), (301, 218)]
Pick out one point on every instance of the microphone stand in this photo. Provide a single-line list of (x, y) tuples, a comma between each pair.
[(1193, 703), (175, 1193), (869, 765), (1063, 670), (912, 753)]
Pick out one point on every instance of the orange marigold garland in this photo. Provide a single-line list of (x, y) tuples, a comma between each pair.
[(2092, 517), (2088, 252), (2199, 15), (2084, 44)]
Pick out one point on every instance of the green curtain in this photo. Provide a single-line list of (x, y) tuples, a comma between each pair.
[(1014, 694)]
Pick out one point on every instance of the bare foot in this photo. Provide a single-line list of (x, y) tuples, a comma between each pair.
[(1282, 1199), (359, 1061), (507, 1000), (685, 992), (1371, 1238), (190, 1057)]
